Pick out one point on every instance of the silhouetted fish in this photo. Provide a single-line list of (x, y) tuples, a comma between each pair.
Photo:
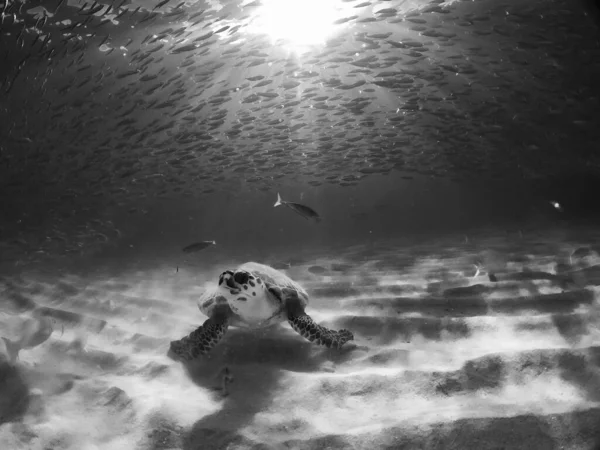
[(197, 246), (317, 270), (364, 102), (304, 211), (32, 331), (557, 206), (339, 267), (582, 252)]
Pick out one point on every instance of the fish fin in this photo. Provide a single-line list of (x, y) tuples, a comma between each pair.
[(278, 202), (13, 349)]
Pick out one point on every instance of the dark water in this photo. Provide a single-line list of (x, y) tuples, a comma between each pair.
[(439, 142), (180, 121)]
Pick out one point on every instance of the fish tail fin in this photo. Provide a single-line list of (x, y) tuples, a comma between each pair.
[(279, 201), (13, 349)]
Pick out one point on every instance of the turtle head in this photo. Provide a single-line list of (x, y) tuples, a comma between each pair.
[(241, 283)]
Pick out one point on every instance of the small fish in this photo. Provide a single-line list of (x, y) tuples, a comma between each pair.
[(304, 211), (317, 270), (33, 331), (161, 4), (581, 252), (557, 206), (197, 246)]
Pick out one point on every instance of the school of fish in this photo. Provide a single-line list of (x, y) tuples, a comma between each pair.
[(123, 101)]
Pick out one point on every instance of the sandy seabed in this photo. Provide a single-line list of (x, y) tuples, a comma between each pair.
[(443, 358)]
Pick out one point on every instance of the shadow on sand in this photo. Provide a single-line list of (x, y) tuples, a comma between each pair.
[(14, 393), (256, 359)]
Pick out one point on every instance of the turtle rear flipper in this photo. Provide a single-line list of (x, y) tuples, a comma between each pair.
[(304, 325), (201, 340)]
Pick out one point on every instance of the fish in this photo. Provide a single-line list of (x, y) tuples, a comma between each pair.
[(198, 246), (557, 206), (305, 211), (161, 4), (148, 88), (581, 253), (32, 330), (317, 270)]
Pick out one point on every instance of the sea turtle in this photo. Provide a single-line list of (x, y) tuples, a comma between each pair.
[(254, 296)]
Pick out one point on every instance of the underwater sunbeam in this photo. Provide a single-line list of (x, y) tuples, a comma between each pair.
[(300, 24)]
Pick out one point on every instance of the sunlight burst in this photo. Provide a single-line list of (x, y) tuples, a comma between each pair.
[(300, 23)]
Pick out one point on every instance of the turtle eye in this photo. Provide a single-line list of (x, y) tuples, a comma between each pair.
[(230, 283), (222, 276), (241, 277)]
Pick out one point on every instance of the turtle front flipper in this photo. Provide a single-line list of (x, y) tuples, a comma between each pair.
[(201, 340), (304, 325)]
